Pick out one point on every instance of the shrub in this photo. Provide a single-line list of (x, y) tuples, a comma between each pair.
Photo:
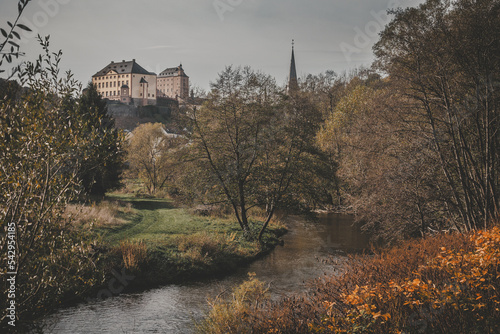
[(454, 292), (227, 314)]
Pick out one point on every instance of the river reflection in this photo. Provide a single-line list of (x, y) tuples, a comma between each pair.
[(174, 308)]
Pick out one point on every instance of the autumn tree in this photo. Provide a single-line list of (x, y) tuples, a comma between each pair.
[(418, 149), (389, 175), (151, 153), (443, 58), (252, 139)]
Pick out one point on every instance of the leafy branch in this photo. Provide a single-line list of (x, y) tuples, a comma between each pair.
[(12, 37)]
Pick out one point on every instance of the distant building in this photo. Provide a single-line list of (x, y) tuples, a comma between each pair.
[(173, 83), (127, 82)]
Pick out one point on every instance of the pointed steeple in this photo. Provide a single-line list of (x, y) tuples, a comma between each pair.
[(292, 79)]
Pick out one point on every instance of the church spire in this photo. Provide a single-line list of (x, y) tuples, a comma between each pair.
[(292, 79)]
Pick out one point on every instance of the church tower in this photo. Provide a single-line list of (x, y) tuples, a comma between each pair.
[(292, 78)]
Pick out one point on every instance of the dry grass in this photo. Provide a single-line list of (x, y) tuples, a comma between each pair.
[(228, 312), (134, 253), (103, 214), (278, 222), (204, 247)]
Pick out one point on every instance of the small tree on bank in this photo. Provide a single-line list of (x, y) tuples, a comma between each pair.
[(252, 139), (151, 155)]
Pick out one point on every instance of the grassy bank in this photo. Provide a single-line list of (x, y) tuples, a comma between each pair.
[(159, 243), (443, 284)]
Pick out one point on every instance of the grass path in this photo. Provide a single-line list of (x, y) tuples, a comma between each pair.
[(161, 243)]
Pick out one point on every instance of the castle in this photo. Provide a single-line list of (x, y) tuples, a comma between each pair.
[(130, 83)]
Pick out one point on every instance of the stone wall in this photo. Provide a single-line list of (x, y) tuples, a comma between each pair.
[(117, 109)]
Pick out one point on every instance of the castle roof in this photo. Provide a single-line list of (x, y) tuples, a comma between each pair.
[(173, 72), (123, 67)]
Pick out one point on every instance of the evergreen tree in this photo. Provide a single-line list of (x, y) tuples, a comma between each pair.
[(103, 157)]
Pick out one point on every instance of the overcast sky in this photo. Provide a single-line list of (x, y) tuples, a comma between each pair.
[(206, 35)]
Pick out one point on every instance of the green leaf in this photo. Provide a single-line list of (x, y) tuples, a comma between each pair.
[(22, 26), (4, 33), (16, 34), (15, 44)]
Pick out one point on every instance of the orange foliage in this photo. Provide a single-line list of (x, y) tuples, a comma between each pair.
[(463, 296), (444, 284)]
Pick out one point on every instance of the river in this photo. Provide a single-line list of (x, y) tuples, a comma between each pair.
[(174, 308)]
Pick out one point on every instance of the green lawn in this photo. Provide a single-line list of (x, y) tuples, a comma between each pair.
[(161, 243), (158, 220)]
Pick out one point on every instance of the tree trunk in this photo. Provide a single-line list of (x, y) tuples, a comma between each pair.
[(266, 223)]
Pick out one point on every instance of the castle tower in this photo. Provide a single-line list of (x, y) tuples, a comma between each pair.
[(292, 78), (173, 83)]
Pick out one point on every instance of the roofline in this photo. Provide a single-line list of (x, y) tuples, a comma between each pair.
[(131, 70)]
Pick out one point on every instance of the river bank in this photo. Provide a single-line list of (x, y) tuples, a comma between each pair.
[(160, 243), (174, 308), (142, 243), (447, 283)]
